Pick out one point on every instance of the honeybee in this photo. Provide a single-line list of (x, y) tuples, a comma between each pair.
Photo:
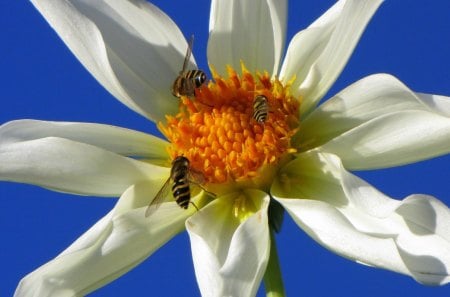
[(181, 176), (187, 81), (260, 109)]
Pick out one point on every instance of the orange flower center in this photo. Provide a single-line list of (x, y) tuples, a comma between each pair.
[(234, 128)]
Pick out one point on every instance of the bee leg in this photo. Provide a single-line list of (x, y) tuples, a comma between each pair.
[(193, 204), (211, 106), (207, 192), (203, 188)]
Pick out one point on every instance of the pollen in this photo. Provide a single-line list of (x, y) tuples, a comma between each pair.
[(226, 134)]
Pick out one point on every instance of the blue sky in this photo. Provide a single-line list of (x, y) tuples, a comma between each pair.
[(40, 79)]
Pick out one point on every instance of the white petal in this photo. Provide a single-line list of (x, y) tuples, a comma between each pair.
[(317, 55), (371, 97), (378, 122), (306, 45), (251, 31), (391, 140), (74, 167), (410, 236), (113, 246), (131, 47), (115, 139), (311, 174), (230, 257), (438, 103)]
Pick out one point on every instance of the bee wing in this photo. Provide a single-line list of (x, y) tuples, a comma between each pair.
[(188, 54), (158, 199), (196, 177)]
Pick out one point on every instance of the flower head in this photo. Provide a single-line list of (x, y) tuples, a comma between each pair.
[(219, 134), (255, 139)]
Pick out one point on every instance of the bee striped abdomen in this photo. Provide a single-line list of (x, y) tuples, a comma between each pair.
[(179, 182), (181, 191), (180, 188), (260, 109)]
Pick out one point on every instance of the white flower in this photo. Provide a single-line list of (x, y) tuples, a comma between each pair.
[(134, 50)]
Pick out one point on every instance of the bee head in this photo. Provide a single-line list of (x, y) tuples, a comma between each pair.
[(181, 160), (200, 78)]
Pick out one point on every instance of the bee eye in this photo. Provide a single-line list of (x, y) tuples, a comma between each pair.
[(200, 79)]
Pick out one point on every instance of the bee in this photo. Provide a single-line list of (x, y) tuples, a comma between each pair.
[(187, 81), (260, 109), (181, 176)]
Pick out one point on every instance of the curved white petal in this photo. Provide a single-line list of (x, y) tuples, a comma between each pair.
[(113, 246), (440, 104), (410, 236), (317, 55), (251, 31), (131, 47), (309, 175), (395, 139), (378, 122), (230, 257), (373, 96), (74, 167), (306, 46), (115, 139)]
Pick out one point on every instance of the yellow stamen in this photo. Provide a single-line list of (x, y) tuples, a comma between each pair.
[(243, 207), (216, 131)]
